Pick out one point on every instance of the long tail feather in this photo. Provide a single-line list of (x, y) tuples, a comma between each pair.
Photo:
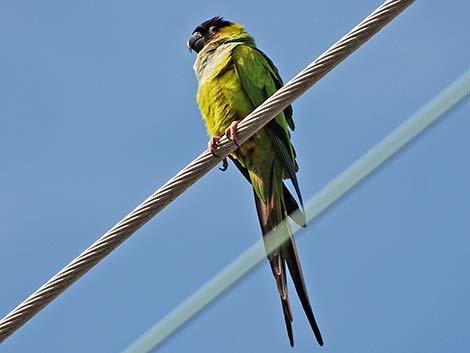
[(278, 266), (289, 251), (288, 320), (270, 214)]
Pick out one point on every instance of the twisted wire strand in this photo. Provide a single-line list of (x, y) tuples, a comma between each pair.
[(198, 167)]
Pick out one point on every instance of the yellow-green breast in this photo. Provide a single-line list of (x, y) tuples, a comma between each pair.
[(220, 95)]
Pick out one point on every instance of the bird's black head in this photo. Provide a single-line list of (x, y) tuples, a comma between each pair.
[(205, 32)]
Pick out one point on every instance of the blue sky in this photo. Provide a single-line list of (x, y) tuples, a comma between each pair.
[(97, 110)]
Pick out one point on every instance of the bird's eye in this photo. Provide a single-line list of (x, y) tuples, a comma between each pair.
[(213, 29)]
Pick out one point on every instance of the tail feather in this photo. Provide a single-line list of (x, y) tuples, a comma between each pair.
[(293, 209), (270, 214), (289, 251), (286, 308), (278, 265), (288, 320)]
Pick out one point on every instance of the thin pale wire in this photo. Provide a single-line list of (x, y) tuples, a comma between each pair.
[(197, 168), (329, 194)]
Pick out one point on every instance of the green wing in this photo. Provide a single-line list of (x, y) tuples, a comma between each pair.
[(259, 79)]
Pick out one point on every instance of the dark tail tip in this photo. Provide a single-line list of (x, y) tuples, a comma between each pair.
[(315, 329), (319, 339)]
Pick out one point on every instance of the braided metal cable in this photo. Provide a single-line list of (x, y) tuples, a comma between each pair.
[(200, 166)]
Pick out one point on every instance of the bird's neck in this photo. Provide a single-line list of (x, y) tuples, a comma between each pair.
[(214, 57)]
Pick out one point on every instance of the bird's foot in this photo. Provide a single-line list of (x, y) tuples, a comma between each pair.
[(231, 133), (212, 145)]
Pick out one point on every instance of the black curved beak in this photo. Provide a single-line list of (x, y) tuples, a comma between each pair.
[(195, 42)]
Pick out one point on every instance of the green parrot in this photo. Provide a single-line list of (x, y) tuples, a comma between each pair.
[(234, 78)]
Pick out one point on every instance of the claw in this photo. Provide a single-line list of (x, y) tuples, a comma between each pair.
[(231, 132), (212, 145), (224, 165)]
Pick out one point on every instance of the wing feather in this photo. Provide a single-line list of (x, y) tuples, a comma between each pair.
[(259, 79)]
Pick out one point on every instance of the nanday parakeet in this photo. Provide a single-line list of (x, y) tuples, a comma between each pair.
[(234, 78)]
